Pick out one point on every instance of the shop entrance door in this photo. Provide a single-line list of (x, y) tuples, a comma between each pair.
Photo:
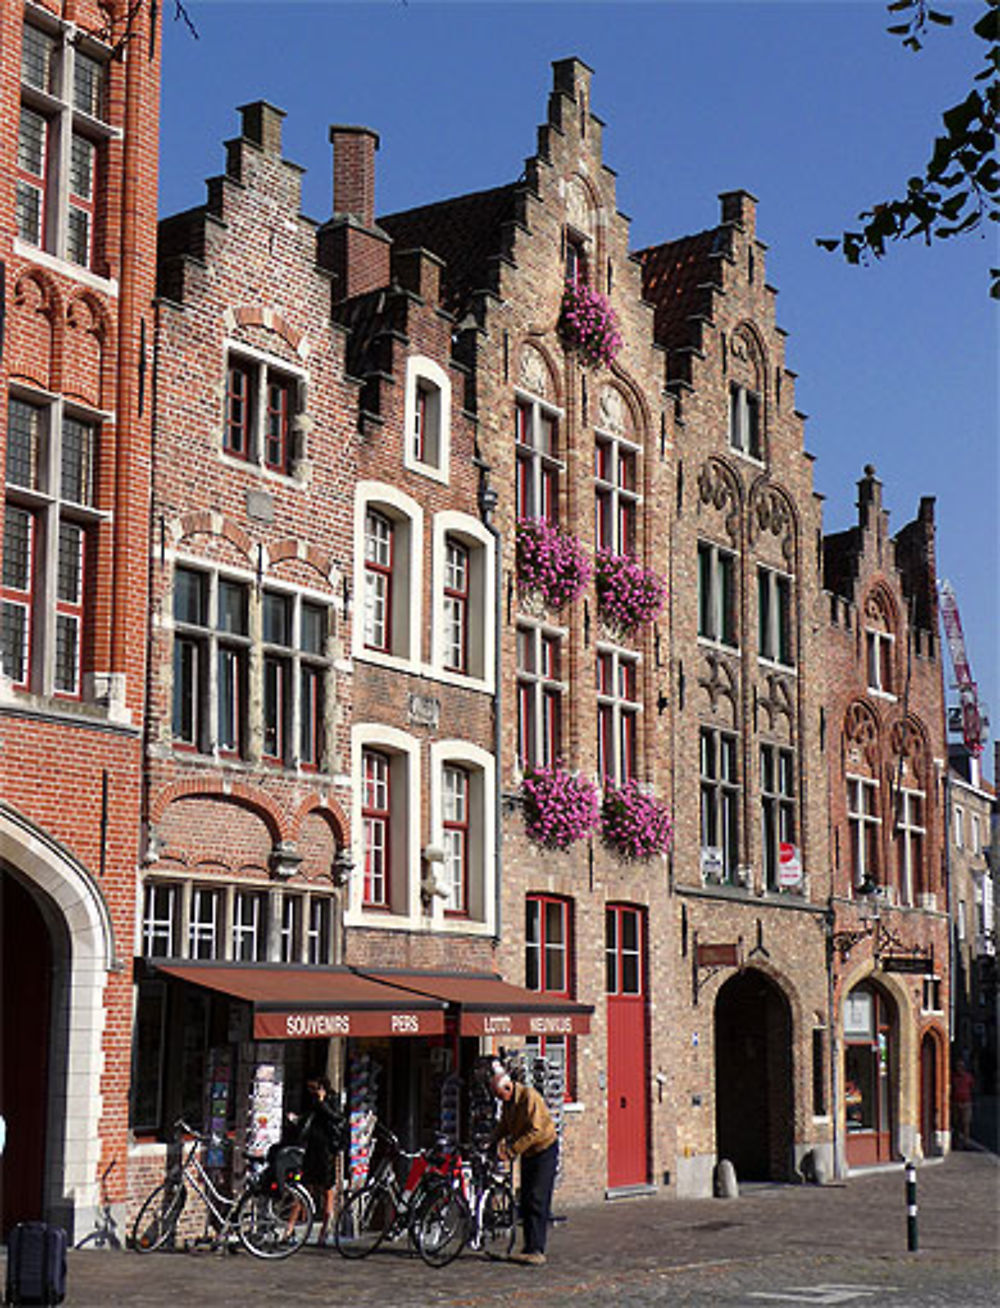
[(869, 1077), (25, 983), (628, 1047)]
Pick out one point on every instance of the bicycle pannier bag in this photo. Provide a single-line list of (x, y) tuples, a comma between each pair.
[(36, 1264)]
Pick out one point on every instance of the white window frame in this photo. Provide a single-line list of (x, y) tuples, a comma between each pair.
[(617, 495), (480, 766), (860, 818), (621, 711), (874, 640), (720, 799), (778, 808), (739, 422), (403, 750), (911, 841), (407, 517), (974, 844), (779, 587), (423, 374), (712, 608), (959, 822), (538, 459), (471, 533)]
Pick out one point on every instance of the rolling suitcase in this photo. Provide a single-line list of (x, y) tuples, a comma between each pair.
[(36, 1264)]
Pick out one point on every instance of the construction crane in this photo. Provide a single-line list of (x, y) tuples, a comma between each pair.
[(973, 719)]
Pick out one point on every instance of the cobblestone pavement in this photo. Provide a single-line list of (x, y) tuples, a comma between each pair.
[(842, 1243)]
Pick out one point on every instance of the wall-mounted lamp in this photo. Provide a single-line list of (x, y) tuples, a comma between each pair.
[(343, 866)]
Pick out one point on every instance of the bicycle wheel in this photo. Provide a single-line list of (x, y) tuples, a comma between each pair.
[(499, 1220), (442, 1228), (364, 1220), (274, 1225), (156, 1223)]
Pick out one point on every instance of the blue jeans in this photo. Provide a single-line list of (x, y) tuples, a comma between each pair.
[(538, 1176)]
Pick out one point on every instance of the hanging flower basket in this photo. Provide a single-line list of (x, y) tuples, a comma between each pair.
[(559, 807), (635, 825), (628, 595), (588, 324), (551, 563)]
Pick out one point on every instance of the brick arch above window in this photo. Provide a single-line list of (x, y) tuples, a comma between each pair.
[(315, 805), (294, 547), (880, 609), (246, 796), (88, 348), (38, 307), (254, 315), (209, 522)]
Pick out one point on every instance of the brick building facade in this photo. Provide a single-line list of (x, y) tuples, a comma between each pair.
[(79, 87), (367, 441)]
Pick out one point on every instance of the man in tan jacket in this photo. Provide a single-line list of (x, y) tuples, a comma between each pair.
[(526, 1130)]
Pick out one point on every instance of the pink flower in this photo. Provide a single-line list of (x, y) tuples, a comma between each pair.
[(559, 807), (635, 825), (588, 322), (628, 595), (551, 562)]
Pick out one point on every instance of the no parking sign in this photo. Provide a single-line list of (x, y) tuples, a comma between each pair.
[(789, 865)]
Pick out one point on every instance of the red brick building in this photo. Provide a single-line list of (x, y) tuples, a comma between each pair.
[(886, 727), (80, 84)]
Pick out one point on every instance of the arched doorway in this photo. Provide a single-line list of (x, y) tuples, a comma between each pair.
[(753, 1078), (870, 1074), (26, 984), (58, 950), (929, 1095)]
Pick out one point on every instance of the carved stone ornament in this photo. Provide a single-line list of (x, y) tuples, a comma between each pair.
[(778, 701), (861, 737), (611, 408), (579, 212), (770, 512), (720, 681), (877, 613), (906, 747), (534, 375), (719, 489)]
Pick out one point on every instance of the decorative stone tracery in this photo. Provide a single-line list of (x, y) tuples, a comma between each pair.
[(719, 488)]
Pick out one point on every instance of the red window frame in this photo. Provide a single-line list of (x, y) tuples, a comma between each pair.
[(617, 717), (376, 796), (276, 443), (577, 273), (616, 501), (615, 951), (533, 468), (35, 181), (311, 733), (85, 204), (458, 827), (420, 424), (23, 599), (539, 705), (381, 577), (541, 947), (457, 602), (239, 409), (72, 610)]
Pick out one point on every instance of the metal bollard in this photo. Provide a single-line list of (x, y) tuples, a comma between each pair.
[(911, 1207)]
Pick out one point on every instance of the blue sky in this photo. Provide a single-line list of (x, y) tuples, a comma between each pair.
[(808, 104)]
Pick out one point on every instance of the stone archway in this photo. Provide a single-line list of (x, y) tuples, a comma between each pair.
[(54, 900), (754, 1099)]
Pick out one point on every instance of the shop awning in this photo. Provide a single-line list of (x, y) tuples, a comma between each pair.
[(485, 1004), (302, 1003)]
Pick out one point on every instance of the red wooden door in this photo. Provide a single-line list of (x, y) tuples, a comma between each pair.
[(628, 1052)]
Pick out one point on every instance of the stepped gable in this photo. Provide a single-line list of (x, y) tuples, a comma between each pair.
[(840, 566), (466, 232), (679, 278)]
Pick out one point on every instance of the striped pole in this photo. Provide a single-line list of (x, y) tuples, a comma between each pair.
[(911, 1207)]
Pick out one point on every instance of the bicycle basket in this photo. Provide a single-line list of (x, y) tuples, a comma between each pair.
[(284, 1164)]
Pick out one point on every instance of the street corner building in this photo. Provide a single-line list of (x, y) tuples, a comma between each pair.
[(420, 648)]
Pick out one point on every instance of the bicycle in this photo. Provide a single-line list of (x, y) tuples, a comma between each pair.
[(480, 1214), (105, 1230), (271, 1217), (384, 1209)]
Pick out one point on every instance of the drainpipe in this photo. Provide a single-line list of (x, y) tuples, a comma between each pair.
[(486, 499)]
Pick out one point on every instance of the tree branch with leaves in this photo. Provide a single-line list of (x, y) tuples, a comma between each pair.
[(959, 188)]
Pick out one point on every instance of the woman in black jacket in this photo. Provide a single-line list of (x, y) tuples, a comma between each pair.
[(322, 1134)]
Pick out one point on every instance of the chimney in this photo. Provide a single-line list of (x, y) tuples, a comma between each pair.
[(354, 173)]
